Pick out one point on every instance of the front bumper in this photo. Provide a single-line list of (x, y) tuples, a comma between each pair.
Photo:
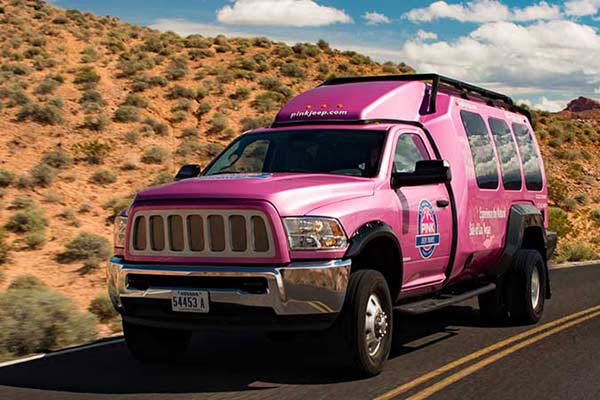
[(297, 290)]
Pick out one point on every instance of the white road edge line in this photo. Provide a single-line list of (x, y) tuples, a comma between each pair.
[(59, 352)]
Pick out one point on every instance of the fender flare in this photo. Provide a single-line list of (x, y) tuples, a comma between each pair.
[(366, 233), (521, 218)]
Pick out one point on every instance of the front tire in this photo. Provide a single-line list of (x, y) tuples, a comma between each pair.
[(155, 345), (367, 321), (526, 287)]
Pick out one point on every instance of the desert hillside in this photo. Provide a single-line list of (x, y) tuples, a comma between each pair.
[(93, 109)]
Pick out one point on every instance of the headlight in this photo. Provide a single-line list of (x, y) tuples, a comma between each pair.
[(314, 233), (120, 228)]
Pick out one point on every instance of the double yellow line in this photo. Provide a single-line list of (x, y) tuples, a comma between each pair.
[(509, 346)]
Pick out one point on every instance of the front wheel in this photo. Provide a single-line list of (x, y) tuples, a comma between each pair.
[(366, 322), (155, 345)]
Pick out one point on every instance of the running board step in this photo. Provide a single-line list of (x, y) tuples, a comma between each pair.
[(428, 305)]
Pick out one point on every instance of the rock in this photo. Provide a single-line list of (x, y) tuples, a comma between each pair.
[(583, 104)]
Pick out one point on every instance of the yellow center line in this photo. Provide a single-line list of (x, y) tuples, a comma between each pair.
[(495, 357), (475, 355)]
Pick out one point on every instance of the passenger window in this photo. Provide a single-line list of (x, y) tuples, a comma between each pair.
[(482, 150), (409, 149), (507, 151), (529, 157)]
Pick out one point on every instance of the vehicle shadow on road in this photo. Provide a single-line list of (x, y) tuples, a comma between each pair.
[(217, 362)]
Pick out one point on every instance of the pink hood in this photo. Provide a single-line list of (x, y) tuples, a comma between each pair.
[(291, 194)]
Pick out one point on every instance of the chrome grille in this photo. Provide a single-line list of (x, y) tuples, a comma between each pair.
[(201, 233)]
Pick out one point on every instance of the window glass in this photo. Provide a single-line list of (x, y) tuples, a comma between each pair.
[(529, 157), (482, 150), (316, 151), (409, 149), (507, 151)]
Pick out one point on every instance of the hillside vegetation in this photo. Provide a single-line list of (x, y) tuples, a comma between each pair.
[(93, 109)]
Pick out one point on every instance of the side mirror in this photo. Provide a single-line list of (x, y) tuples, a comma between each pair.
[(427, 172), (188, 171)]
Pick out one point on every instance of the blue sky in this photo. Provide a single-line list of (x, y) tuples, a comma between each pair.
[(541, 52)]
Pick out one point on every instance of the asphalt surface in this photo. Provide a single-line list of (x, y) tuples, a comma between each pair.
[(563, 364)]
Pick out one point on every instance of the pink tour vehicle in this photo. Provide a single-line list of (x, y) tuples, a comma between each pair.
[(367, 198)]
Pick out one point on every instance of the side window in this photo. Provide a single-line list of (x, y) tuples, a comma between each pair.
[(529, 156), (409, 149), (482, 150), (507, 151)]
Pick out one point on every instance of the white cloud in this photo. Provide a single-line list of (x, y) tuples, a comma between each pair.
[(375, 18), (537, 56), (424, 35), (545, 104), (580, 8), (184, 27), (482, 11), (296, 13)]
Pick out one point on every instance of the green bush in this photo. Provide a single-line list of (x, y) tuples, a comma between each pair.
[(558, 221), (96, 123), (178, 91), (26, 282), (57, 159), (35, 240), (40, 320), (21, 203), (42, 175), (161, 178), (45, 115), (595, 216), (178, 116), (6, 178), (86, 75), (177, 69), (26, 221), (47, 85), (576, 251), (135, 101), (4, 248), (92, 97), (127, 114), (159, 128), (85, 246), (182, 105), (219, 123), (102, 308), (241, 94), (582, 198), (203, 109), (557, 191), (190, 132), (569, 204), (249, 123), (155, 155), (117, 204), (104, 177), (292, 70), (93, 151), (131, 137), (188, 146), (267, 101)]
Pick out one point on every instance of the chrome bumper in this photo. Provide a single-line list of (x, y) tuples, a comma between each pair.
[(300, 288)]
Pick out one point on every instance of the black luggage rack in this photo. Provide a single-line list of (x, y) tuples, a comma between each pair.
[(465, 90)]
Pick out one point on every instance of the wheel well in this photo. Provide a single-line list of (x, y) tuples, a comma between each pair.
[(533, 239), (382, 254)]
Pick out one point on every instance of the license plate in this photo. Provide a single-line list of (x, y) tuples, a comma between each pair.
[(189, 301)]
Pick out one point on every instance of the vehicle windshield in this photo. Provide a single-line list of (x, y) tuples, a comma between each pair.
[(340, 152)]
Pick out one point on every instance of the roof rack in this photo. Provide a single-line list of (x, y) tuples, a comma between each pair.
[(465, 89)]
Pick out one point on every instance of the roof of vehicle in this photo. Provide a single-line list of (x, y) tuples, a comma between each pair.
[(384, 98)]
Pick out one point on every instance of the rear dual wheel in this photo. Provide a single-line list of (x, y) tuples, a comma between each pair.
[(520, 297)]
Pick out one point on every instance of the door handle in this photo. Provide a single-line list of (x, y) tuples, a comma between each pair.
[(442, 203)]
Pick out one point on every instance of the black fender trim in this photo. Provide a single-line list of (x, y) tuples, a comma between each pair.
[(367, 232), (522, 217)]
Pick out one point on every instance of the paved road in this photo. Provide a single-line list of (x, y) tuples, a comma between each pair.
[(555, 361)]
